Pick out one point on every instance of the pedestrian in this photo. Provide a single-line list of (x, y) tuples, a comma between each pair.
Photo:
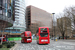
[(59, 37), (6, 37)]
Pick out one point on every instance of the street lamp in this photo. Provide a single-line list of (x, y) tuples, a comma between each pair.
[(54, 25)]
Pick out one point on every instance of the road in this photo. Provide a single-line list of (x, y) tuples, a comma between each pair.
[(54, 45)]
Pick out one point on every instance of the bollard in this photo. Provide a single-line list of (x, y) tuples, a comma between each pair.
[(56, 39)]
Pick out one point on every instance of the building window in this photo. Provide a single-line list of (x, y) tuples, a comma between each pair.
[(16, 15), (17, 9), (16, 12), (28, 8), (1, 1), (17, 3), (73, 35), (16, 6), (9, 14)]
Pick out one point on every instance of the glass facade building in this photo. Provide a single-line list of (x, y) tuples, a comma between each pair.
[(5, 11), (6, 14), (20, 15)]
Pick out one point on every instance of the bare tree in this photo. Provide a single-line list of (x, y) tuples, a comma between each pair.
[(67, 20), (64, 24), (70, 13), (60, 26)]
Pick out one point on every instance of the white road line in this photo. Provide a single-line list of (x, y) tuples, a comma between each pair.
[(68, 43)]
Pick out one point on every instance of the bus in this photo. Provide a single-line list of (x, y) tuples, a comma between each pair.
[(4, 37), (43, 35), (26, 37)]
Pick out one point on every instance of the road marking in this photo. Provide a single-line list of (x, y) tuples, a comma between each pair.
[(65, 47), (68, 43)]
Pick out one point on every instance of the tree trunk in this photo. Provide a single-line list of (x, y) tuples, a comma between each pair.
[(63, 35), (3, 28)]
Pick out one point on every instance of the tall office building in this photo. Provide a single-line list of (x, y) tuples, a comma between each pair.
[(19, 23), (36, 17)]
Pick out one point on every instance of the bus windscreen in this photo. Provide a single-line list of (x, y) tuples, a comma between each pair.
[(43, 29), (43, 34), (28, 33)]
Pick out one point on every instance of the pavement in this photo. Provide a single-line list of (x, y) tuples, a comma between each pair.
[(14, 46), (68, 40), (54, 45)]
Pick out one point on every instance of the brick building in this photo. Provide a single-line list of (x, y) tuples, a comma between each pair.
[(36, 17)]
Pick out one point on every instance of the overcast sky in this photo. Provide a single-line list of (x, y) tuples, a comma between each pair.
[(51, 6)]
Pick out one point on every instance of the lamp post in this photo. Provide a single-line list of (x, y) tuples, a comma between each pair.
[(54, 25)]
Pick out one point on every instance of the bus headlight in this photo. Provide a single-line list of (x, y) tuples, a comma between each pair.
[(28, 39), (42, 40), (46, 40)]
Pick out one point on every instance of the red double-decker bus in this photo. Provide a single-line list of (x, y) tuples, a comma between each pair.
[(43, 35), (4, 38), (26, 37)]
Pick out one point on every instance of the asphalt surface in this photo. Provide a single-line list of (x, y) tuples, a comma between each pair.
[(54, 45)]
